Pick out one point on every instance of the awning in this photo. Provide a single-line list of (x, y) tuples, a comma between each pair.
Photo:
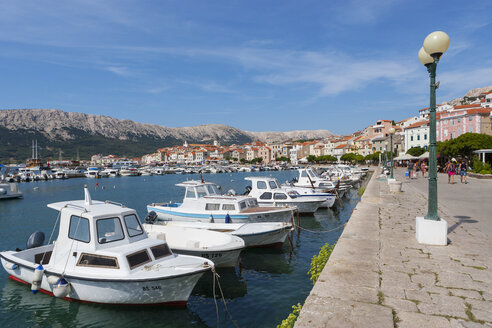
[(405, 157), (424, 155)]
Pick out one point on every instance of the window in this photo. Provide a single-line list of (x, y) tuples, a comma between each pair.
[(266, 195), (201, 191), (470, 129), (212, 207), (190, 192), (304, 174), (273, 185), (418, 136), (459, 119), (228, 207), (109, 230), (261, 185), (79, 229), (212, 190), (280, 196), (133, 227), (459, 132), (425, 136), (242, 205), (252, 202), (445, 133), (470, 118), (411, 138), (452, 121), (93, 260), (161, 250), (138, 258)]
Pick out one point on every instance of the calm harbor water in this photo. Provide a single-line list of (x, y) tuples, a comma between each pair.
[(258, 293)]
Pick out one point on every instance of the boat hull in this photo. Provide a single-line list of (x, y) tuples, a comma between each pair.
[(271, 239), (174, 214), (229, 258), (173, 290)]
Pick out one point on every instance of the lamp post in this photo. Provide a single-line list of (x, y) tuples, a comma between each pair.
[(435, 44), (391, 131)]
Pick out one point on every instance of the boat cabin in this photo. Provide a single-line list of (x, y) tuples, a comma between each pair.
[(268, 188), (103, 235), (310, 178), (206, 196)]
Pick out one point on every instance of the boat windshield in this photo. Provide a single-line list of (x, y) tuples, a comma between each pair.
[(201, 191), (313, 174), (273, 184), (252, 202), (212, 190)]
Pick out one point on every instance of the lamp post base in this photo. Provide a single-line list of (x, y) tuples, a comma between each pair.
[(431, 232)]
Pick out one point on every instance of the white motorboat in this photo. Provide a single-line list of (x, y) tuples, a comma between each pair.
[(93, 172), (309, 178), (259, 234), (128, 171), (102, 255), (202, 201), (223, 249), (9, 190), (267, 192), (110, 172), (305, 191)]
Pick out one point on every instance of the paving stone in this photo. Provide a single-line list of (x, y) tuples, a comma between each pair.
[(444, 305), (466, 293), (330, 312), (467, 324), (426, 279), (400, 305), (418, 295), (417, 320)]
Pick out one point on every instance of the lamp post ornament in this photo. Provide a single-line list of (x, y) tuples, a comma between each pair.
[(435, 44), (391, 131)]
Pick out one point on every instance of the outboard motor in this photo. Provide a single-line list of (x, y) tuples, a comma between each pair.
[(151, 217), (35, 240)]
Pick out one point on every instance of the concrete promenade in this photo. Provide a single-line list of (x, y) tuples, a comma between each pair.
[(379, 276)]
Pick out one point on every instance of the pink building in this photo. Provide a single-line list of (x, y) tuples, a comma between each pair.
[(463, 119), (381, 127)]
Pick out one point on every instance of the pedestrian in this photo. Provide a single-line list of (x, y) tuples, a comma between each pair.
[(462, 169), (410, 169), (451, 170), (423, 167)]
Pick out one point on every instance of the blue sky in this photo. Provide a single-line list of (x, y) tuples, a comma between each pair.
[(255, 65)]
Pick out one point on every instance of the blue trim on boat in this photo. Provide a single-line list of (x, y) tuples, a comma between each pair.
[(193, 215)]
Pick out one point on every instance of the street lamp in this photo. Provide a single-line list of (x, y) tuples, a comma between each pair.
[(391, 131), (435, 44)]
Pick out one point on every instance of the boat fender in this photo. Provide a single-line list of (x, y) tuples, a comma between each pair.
[(151, 217), (37, 278), (11, 266), (35, 240), (52, 280), (228, 218), (61, 288), (211, 219)]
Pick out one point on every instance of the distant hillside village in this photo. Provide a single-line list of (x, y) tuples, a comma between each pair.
[(452, 121)]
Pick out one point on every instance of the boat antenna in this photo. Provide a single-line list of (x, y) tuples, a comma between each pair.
[(87, 196)]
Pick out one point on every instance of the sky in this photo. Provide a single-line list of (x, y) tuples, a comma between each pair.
[(257, 65)]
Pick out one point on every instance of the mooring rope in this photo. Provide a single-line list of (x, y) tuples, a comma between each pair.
[(216, 276), (321, 231), (51, 235)]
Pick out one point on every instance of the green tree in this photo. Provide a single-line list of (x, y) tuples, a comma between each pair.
[(257, 160), (416, 151), (464, 145), (311, 158), (326, 158), (282, 159), (348, 157)]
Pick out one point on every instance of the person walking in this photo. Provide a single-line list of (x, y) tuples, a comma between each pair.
[(451, 170), (462, 169), (410, 169), (423, 167)]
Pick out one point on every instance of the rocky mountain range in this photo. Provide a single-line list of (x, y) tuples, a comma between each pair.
[(469, 96), (64, 132)]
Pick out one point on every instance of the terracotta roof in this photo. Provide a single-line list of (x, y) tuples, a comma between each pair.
[(467, 106), (480, 110), (416, 125), (341, 146)]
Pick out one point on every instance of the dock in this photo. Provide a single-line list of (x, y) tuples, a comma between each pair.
[(379, 276)]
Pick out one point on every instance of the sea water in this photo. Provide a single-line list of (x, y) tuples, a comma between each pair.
[(259, 292)]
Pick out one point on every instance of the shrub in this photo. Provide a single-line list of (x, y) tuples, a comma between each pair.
[(291, 319), (485, 171), (318, 262)]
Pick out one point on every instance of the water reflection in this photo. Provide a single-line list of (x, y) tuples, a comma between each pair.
[(20, 305), (232, 283), (266, 260)]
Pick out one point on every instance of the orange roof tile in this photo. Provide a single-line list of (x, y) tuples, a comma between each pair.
[(467, 106)]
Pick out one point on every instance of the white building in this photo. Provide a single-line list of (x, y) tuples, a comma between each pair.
[(417, 135)]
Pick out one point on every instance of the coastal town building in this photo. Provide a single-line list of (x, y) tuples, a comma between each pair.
[(417, 135), (463, 119)]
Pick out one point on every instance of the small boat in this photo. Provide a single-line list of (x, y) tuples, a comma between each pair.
[(223, 249), (259, 234), (267, 192), (9, 190), (102, 255), (203, 200), (309, 178), (93, 172), (128, 171)]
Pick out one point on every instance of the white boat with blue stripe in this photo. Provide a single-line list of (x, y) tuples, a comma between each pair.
[(203, 203)]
